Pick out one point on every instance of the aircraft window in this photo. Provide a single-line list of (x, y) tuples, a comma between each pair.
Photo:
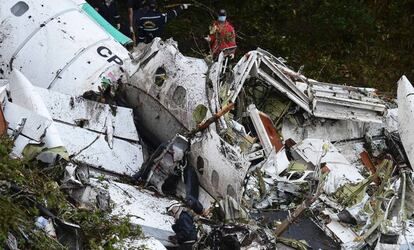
[(215, 179), (200, 165), (230, 191), (295, 176), (19, 8), (200, 113), (179, 95), (160, 76)]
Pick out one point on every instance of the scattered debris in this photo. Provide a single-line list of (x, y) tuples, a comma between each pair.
[(231, 143)]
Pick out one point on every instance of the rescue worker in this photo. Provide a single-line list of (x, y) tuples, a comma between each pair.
[(108, 9), (222, 36), (149, 22), (133, 6)]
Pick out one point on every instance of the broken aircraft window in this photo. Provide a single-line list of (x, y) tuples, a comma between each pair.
[(199, 113), (160, 76), (230, 191), (215, 179), (179, 95), (19, 8), (200, 165)]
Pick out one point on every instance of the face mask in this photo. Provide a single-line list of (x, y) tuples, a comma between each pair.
[(222, 18)]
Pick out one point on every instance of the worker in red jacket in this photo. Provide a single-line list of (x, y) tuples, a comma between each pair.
[(222, 36)]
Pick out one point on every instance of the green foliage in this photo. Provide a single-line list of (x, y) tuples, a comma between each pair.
[(40, 183), (105, 231)]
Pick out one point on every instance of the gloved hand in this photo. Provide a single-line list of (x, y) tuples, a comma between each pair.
[(131, 29), (231, 56), (207, 38), (185, 6), (118, 26)]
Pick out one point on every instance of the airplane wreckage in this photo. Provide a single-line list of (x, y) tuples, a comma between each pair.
[(230, 143)]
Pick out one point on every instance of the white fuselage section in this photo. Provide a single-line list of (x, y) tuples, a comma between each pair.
[(58, 46)]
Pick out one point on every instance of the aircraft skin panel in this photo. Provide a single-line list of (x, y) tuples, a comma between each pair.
[(90, 69), (156, 121), (16, 30), (92, 149), (92, 115), (405, 116), (59, 42), (35, 125)]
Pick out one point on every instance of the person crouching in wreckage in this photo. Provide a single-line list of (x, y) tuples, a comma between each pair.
[(222, 37)]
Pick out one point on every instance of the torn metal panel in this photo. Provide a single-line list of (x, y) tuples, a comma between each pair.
[(92, 148), (345, 103), (405, 97), (391, 120), (351, 151), (90, 115), (243, 70), (145, 52), (332, 130), (20, 144), (23, 93), (257, 64), (216, 73), (344, 234), (268, 135), (320, 99), (35, 126), (316, 152), (336, 130), (286, 90), (276, 163), (166, 161), (143, 207), (74, 177), (336, 109), (278, 70), (345, 92)]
